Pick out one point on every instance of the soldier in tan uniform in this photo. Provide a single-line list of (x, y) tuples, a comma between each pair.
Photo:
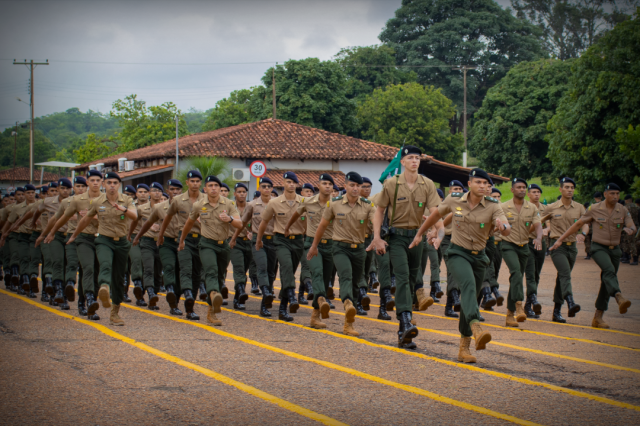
[(387, 302), (533, 308), (562, 214), (306, 191), (112, 246), (609, 220), (8, 201), (522, 215), (217, 214), (189, 258), (240, 245), (288, 249), (135, 269), (350, 215), (452, 304), (474, 218)]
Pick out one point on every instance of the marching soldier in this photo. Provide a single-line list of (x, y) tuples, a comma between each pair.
[(564, 213), (407, 195), (609, 220), (597, 197), (306, 192), (135, 253), (368, 278), (240, 245), (533, 308), (8, 202), (474, 215), (435, 259), (453, 292), (216, 214), (387, 302), (350, 216)]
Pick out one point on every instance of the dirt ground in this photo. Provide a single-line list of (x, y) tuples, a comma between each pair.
[(59, 368)]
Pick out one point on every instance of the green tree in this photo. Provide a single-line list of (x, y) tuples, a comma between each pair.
[(231, 111), (43, 148), (510, 127), (629, 140), (94, 147), (308, 92), (196, 119), (603, 97), (63, 128), (207, 166), (435, 35), (371, 67), (413, 114)]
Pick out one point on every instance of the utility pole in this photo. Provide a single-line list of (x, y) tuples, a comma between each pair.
[(15, 150), (464, 69), (177, 159), (273, 85), (31, 66)]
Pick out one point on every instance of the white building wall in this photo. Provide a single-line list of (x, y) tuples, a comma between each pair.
[(370, 169)]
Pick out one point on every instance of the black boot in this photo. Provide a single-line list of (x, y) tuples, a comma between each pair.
[(203, 292), (92, 304), (267, 297), (172, 300), (624, 258), (59, 297), (487, 298), (138, 291), (331, 305), (387, 300), (537, 307), (635, 261), (44, 297), (373, 282), (82, 310), (307, 284), (15, 276), (126, 297), (438, 289), (193, 316), (359, 309), (224, 291), (189, 301), (282, 312), (301, 299), (393, 284), (153, 298), (69, 289), (455, 296), (364, 298), (573, 307), (48, 286), (432, 293), (25, 283), (264, 312), (480, 317), (175, 311), (64, 305), (406, 332), (254, 285), (33, 283), (588, 256), (237, 305), (528, 311), (499, 297), (557, 314), (448, 308), (141, 302), (7, 279), (291, 298), (162, 289), (241, 295), (330, 294), (382, 311)]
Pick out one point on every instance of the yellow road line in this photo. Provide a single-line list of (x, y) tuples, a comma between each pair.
[(360, 374), (209, 373)]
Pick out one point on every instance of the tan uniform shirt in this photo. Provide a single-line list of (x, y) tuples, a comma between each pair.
[(140, 222), (158, 213), (349, 223), (541, 209), (17, 212), (253, 214), (112, 222), (314, 210), (80, 205), (410, 203), (71, 224), (144, 212), (212, 226), (4, 213), (471, 228), (282, 209), (232, 230), (33, 207), (181, 207), (563, 217), (49, 207), (520, 221), (607, 228)]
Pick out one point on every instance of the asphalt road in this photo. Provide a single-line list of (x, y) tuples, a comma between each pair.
[(59, 368)]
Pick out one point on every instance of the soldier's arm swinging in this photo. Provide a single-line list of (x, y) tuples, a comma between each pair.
[(23, 219), (432, 219), (378, 243), (59, 224), (572, 230), (537, 243), (295, 216), (134, 224), (84, 222), (261, 230), (165, 225)]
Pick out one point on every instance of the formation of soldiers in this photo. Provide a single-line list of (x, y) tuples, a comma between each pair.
[(179, 244)]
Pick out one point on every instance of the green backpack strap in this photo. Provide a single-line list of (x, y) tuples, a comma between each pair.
[(395, 195)]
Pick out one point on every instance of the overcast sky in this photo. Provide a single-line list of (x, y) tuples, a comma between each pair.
[(100, 51)]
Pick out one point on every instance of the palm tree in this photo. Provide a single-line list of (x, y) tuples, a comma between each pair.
[(207, 166)]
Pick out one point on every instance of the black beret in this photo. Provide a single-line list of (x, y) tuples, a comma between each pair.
[(130, 188), (94, 173), (113, 175), (13, 194), (366, 180), (456, 183), (224, 185), (637, 201), (496, 190), (65, 182), (465, 190), (516, 180), (257, 194), (194, 174), (241, 185), (174, 182), (292, 176), (479, 173), (335, 187), (212, 178), (29, 187), (535, 186), (44, 189), (307, 186), (354, 177), (628, 197), (344, 191), (613, 187), (165, 195), (410, 149), (266, 180), (80, 180), (156, 185), (327, 177), (19, 189), (440, 193), (275, 192), (567, 179), (53, 184), (142, 186), (597, 195)]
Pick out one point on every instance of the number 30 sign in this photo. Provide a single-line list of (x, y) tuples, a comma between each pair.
[(258, 169)]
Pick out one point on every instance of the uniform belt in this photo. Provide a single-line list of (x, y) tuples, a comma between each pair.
[(366, 235), (290, 237), (473, 252), (175, 240), (519, 245), (496, 242), (64, 234), (323, 241), (113, 238), (150, 238), (349, 245), (564, 243), (403, 232), (245, 239), (192, 235), (267, 237), (604, 245)]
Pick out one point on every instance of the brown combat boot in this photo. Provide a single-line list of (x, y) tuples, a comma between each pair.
[(315, 320), (597, 321), (464, 355), (211, 314), (114, 318), (104, 296), (349, 311), (623, 304), (216, 301), (482, 337), (325, 308), (424, 301), (511, 321), (520, 315), (348, 328)]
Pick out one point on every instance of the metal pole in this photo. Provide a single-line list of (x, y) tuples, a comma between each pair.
[(31, 133), (464, 118), (15, 150), (273, 79), (177, 159)]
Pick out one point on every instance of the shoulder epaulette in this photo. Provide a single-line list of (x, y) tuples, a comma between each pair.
[(366, 200), (337, 198), (493, 200), (457, 194)]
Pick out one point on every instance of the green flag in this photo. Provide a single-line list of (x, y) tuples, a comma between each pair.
[(393, 168)]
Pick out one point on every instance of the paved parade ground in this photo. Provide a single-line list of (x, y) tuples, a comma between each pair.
[(58, 368)]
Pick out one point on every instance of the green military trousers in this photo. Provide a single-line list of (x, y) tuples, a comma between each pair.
[(135, 256), (406, 264), (368, 261), (289, 251), (241, 258), (168, 252), (87, 256), (563, 259), (451, 282), (55, 251), (384, 269), (6, 253), (429, 254), (151, 265), (349, 262), (190, 264), (22, 255), (214, 256), (320, 267), (516, 258), (266, 261), (534, 267), (608, 259), (468, 268), (73, 268), (35, 254), (112, 255)]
